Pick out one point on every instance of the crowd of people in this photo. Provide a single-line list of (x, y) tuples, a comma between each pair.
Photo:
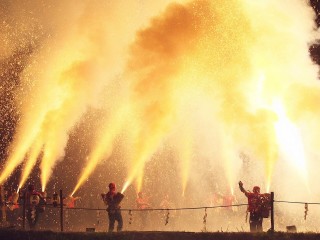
[(35, 202), (258, 206), (29, 203)]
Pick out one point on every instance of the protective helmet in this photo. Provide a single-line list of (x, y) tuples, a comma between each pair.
[(256, 189), (112, 185)]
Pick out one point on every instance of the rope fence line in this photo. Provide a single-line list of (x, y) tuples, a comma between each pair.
[(161, 209), (309, 203), (171, 209), (59, 205)]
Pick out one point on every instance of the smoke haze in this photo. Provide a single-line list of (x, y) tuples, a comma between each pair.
[(147, 93)]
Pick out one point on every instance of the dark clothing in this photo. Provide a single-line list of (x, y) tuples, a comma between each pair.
[(34, 206), (254, 202), (255, 212), (255, 209), (256, 222), (115, 216), (32, 214), (114, 213), (113, 200)]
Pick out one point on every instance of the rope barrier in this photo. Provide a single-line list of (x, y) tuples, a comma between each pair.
[(167, 217), (161, 209), (309, 203), (164, 209), (130, 217), (205, 220), (62, 206)]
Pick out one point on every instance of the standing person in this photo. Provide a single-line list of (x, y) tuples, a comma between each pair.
[(70, 215), (143, 204), (35, 205), (112, 199), (3, 205), (12, 207), (70, 201), (254, 207), (228, 200)]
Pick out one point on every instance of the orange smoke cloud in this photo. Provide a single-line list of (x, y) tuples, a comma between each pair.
[(220, 51), (217, 65), (157, 57)]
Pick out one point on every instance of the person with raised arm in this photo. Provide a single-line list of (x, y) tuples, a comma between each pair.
[(254, 207)]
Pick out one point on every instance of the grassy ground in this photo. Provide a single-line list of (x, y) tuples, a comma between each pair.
[(48, 235)]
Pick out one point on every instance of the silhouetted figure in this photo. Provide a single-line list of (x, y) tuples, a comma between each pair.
[(142, 204), (12, 207), (228, 200), (35, 204), (255, 207), (112, 199)]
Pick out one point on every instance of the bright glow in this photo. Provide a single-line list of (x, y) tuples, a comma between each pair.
[(139, 180), (30, 163), (103, 148), (187, 83), (229, 161), (185, 156), (125, 186), (290, 141), (19, 149), (232, 191)]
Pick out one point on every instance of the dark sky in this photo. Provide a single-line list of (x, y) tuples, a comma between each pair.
[(316, 6), (315, 50)]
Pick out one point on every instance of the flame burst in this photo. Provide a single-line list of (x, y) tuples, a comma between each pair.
[(104, 145), (239, 60), (290, 141), (30, 162)]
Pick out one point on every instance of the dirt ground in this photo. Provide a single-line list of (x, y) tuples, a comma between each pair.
[(49, 235)]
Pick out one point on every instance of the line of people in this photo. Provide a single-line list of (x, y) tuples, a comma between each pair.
[(10, 202), (258, 206), (35, 202), (11, 206), (112, 199)]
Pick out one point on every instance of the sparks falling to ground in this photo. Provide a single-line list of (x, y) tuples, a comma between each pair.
[(201, 80)]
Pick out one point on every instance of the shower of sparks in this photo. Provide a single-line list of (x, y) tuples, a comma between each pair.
[(230, 75), (185, 156), (290, 142), (30, 163), (104, 145)]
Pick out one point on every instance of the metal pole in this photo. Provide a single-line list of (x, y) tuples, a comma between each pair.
[(272, 212), (24, 211), (61, 211)]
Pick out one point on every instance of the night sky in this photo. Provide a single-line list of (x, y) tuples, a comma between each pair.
[(315, 50)]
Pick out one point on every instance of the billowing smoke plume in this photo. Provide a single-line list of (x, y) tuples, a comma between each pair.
[(76, 52), (215, 89)]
